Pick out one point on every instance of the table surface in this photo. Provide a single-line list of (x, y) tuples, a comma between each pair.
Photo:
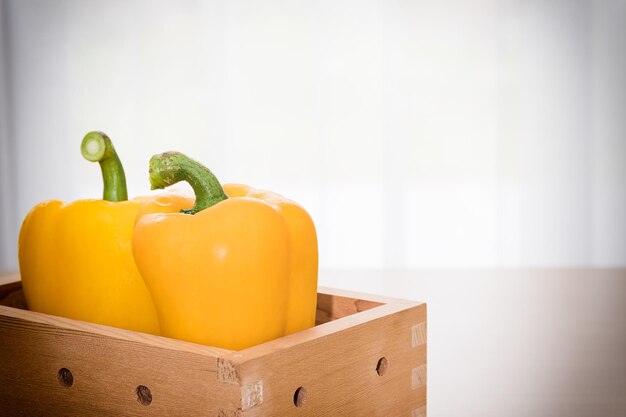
[(514, 342)]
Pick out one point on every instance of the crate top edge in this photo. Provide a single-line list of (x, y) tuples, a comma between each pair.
[(387, 306), (100, 330), (366, 296)]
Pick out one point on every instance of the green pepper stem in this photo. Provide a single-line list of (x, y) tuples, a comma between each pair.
[(169, 168), (97, 147)]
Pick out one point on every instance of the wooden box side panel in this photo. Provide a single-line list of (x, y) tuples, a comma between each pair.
[(11, 293), (105, 374), (334, 304), (338, 370)]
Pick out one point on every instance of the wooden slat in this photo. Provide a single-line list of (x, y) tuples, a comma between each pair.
[(336, 364), (332, 307), (66, 325), (11, 295), (107, 366), (374, 298)]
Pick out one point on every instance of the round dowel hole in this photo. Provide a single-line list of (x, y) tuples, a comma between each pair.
[(144, 395), (382, 366), (65, 377), (299, 397)]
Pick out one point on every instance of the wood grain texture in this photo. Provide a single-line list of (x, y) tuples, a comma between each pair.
[(335, 304), (419, 412), (337, 365), (11, 295), (107, 366), (335, 361)]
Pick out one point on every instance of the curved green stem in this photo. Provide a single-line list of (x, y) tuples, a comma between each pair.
[(171, 167), (97, 147)]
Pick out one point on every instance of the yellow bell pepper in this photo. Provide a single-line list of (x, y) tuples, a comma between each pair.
[(237, 269), (76, 258)]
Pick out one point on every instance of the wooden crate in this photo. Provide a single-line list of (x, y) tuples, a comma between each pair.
[(365, 357)]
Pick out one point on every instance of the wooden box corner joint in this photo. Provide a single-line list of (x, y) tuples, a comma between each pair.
[(366, 356)]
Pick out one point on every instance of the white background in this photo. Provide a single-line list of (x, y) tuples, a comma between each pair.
[(418, 134)]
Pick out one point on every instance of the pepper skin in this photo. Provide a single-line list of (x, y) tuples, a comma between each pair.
[(76, 258), (238, 269)]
